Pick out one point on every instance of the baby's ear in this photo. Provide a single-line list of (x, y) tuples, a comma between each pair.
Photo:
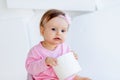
[(41, 30)]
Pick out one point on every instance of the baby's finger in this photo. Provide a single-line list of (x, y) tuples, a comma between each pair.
[(54, 62)]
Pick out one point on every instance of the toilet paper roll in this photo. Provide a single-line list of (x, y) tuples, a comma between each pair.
[(67, 66)]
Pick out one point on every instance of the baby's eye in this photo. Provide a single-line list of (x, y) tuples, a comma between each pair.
[(53, 29), (62, 30)]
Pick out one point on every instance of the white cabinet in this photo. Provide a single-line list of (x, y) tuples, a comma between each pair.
[(83, 5)]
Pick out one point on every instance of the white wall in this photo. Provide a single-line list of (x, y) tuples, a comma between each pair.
[(102, 4), (13, 49), (14, 43), (96, 38)]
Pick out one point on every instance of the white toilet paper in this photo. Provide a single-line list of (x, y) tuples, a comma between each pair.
[(67, 66)]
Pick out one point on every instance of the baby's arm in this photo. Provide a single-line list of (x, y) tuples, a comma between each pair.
[(35, 63)]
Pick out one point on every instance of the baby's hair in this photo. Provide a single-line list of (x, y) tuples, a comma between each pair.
[(52, 13)]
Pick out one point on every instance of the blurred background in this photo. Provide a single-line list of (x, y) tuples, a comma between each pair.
[(94, 35)]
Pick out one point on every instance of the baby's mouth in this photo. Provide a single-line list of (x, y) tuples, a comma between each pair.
[(57, 38)]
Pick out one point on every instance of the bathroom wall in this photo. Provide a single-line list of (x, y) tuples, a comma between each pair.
[(96, 39)]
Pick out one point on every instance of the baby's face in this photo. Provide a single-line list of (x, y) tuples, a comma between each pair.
[(55, 30)]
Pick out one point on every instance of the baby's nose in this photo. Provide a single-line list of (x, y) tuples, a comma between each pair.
[(59, 32)]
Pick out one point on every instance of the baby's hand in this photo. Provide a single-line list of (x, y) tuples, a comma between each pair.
[(51, 61), (75, 55), (81, 78)]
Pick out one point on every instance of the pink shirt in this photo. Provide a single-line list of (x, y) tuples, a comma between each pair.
[(35, 62)]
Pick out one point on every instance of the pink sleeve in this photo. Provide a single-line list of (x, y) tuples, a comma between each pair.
[(35, 63)]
